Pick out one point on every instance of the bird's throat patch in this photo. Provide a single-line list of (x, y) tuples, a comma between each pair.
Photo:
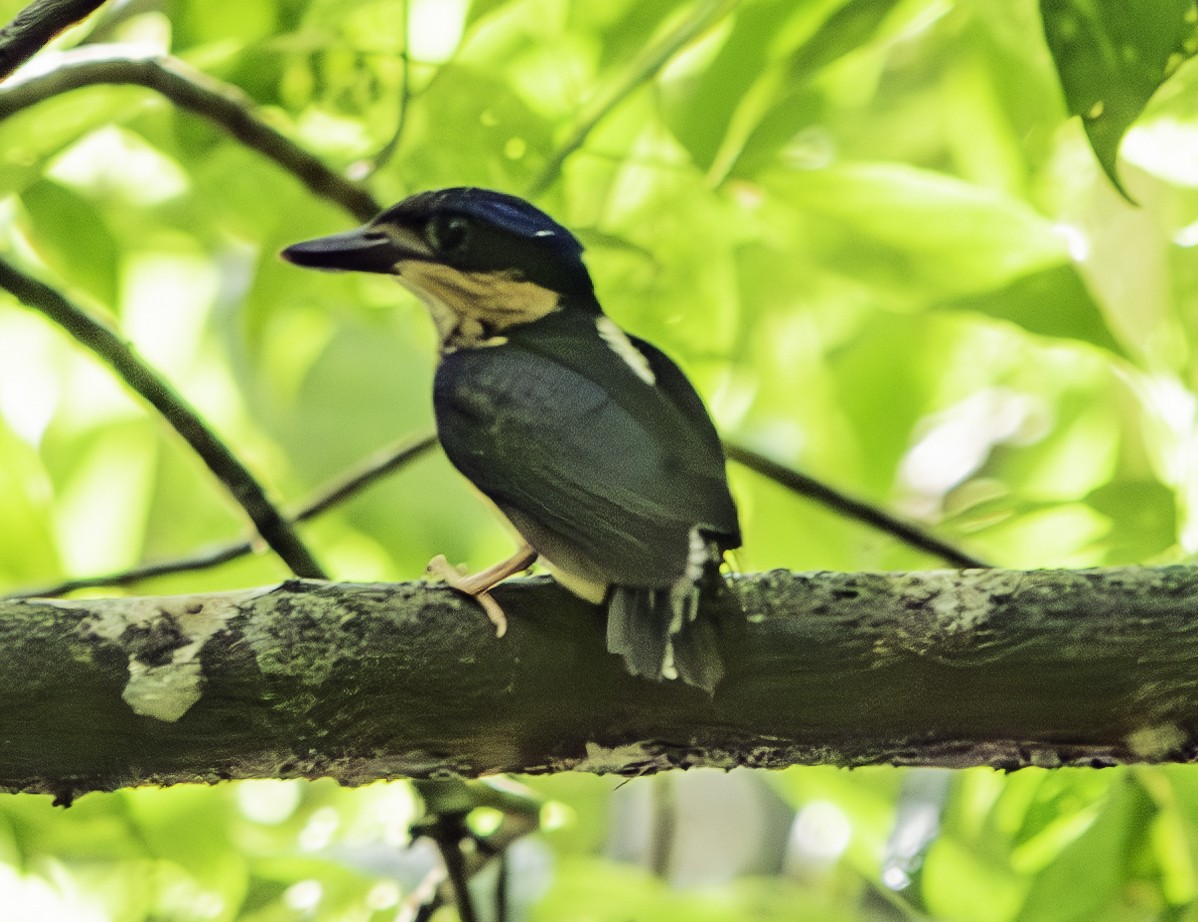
[(473, 309)]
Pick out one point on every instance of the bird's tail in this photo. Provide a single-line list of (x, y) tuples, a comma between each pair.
[(661, 634)]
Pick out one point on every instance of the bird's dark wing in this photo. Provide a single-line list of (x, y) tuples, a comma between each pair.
[(707, 450), (617, 469)]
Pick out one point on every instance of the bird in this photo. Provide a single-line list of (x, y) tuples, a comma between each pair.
[(590, 442)]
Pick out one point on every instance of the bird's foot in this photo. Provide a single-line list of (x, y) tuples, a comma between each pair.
[(479, 585), (439, 568)]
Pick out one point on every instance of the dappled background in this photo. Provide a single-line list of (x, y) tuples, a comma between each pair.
[(885, 238)]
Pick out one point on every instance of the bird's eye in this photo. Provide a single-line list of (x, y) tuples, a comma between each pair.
[(448, 234)]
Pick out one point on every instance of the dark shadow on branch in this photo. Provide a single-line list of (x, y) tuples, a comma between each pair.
[(129, 367)]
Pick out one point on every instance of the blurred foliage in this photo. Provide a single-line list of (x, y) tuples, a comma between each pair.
[(870, 230)]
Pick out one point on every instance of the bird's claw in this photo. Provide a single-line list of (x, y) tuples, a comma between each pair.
[(440, 569)]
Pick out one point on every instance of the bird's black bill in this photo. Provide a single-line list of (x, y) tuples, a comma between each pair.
[(359, 250)]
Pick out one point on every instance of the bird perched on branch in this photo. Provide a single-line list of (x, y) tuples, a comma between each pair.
[(591, 442)]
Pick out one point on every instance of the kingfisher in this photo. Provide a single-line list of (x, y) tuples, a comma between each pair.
[(591, 443)]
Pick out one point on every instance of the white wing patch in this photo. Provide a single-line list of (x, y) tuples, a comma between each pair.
[(697, 555), (622, 346)]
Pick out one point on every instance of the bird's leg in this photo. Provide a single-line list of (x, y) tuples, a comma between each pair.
[(479, 585)]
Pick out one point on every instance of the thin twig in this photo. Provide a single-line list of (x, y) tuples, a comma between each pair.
[(641, 70), (397, 456), (387, 151), (364, 475), (448, 831), (35, 26), (422, 897), (852, 508), (116, 353), (203, 560), (221, 103), (663, 824), (502, 886)]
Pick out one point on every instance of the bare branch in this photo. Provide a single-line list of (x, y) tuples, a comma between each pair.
[(367, 473), (387, 151), (360, 682), (639, 72), (201, 560), (35, 26), (221, 103), (395, 457), (874, 517), (143, 380), (350, 484)]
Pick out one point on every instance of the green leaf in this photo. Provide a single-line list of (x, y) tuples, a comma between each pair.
[(850, 27), (26, 542), (770, 121), (699, 107), (1143, 514), (1050, 302), (1101, 855), (1112, 56), (966, 884), (918, 234), (211, 21), (32, 136), (70, 234)]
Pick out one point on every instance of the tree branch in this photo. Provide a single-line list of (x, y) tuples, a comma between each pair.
[(392, 459), (35, 26), (221, 103), (851, 508), (387, 151), (144, 381), (651, 60), (353, 482), (359, 682)]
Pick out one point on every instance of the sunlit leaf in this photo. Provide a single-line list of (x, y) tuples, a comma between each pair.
[(1052, 302), (781, 112), (31, 137), (1102, 856), (920, 234), (967, 884), (1112, 56), (69, 233), (700, 102), (849, 27), (1143, 517)]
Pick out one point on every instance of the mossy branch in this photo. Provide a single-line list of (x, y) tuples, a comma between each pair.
[(358, 682)]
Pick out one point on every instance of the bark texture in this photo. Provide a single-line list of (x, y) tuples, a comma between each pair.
[(359, 682)]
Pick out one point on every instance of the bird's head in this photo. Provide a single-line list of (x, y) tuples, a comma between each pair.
[(482, 261)]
